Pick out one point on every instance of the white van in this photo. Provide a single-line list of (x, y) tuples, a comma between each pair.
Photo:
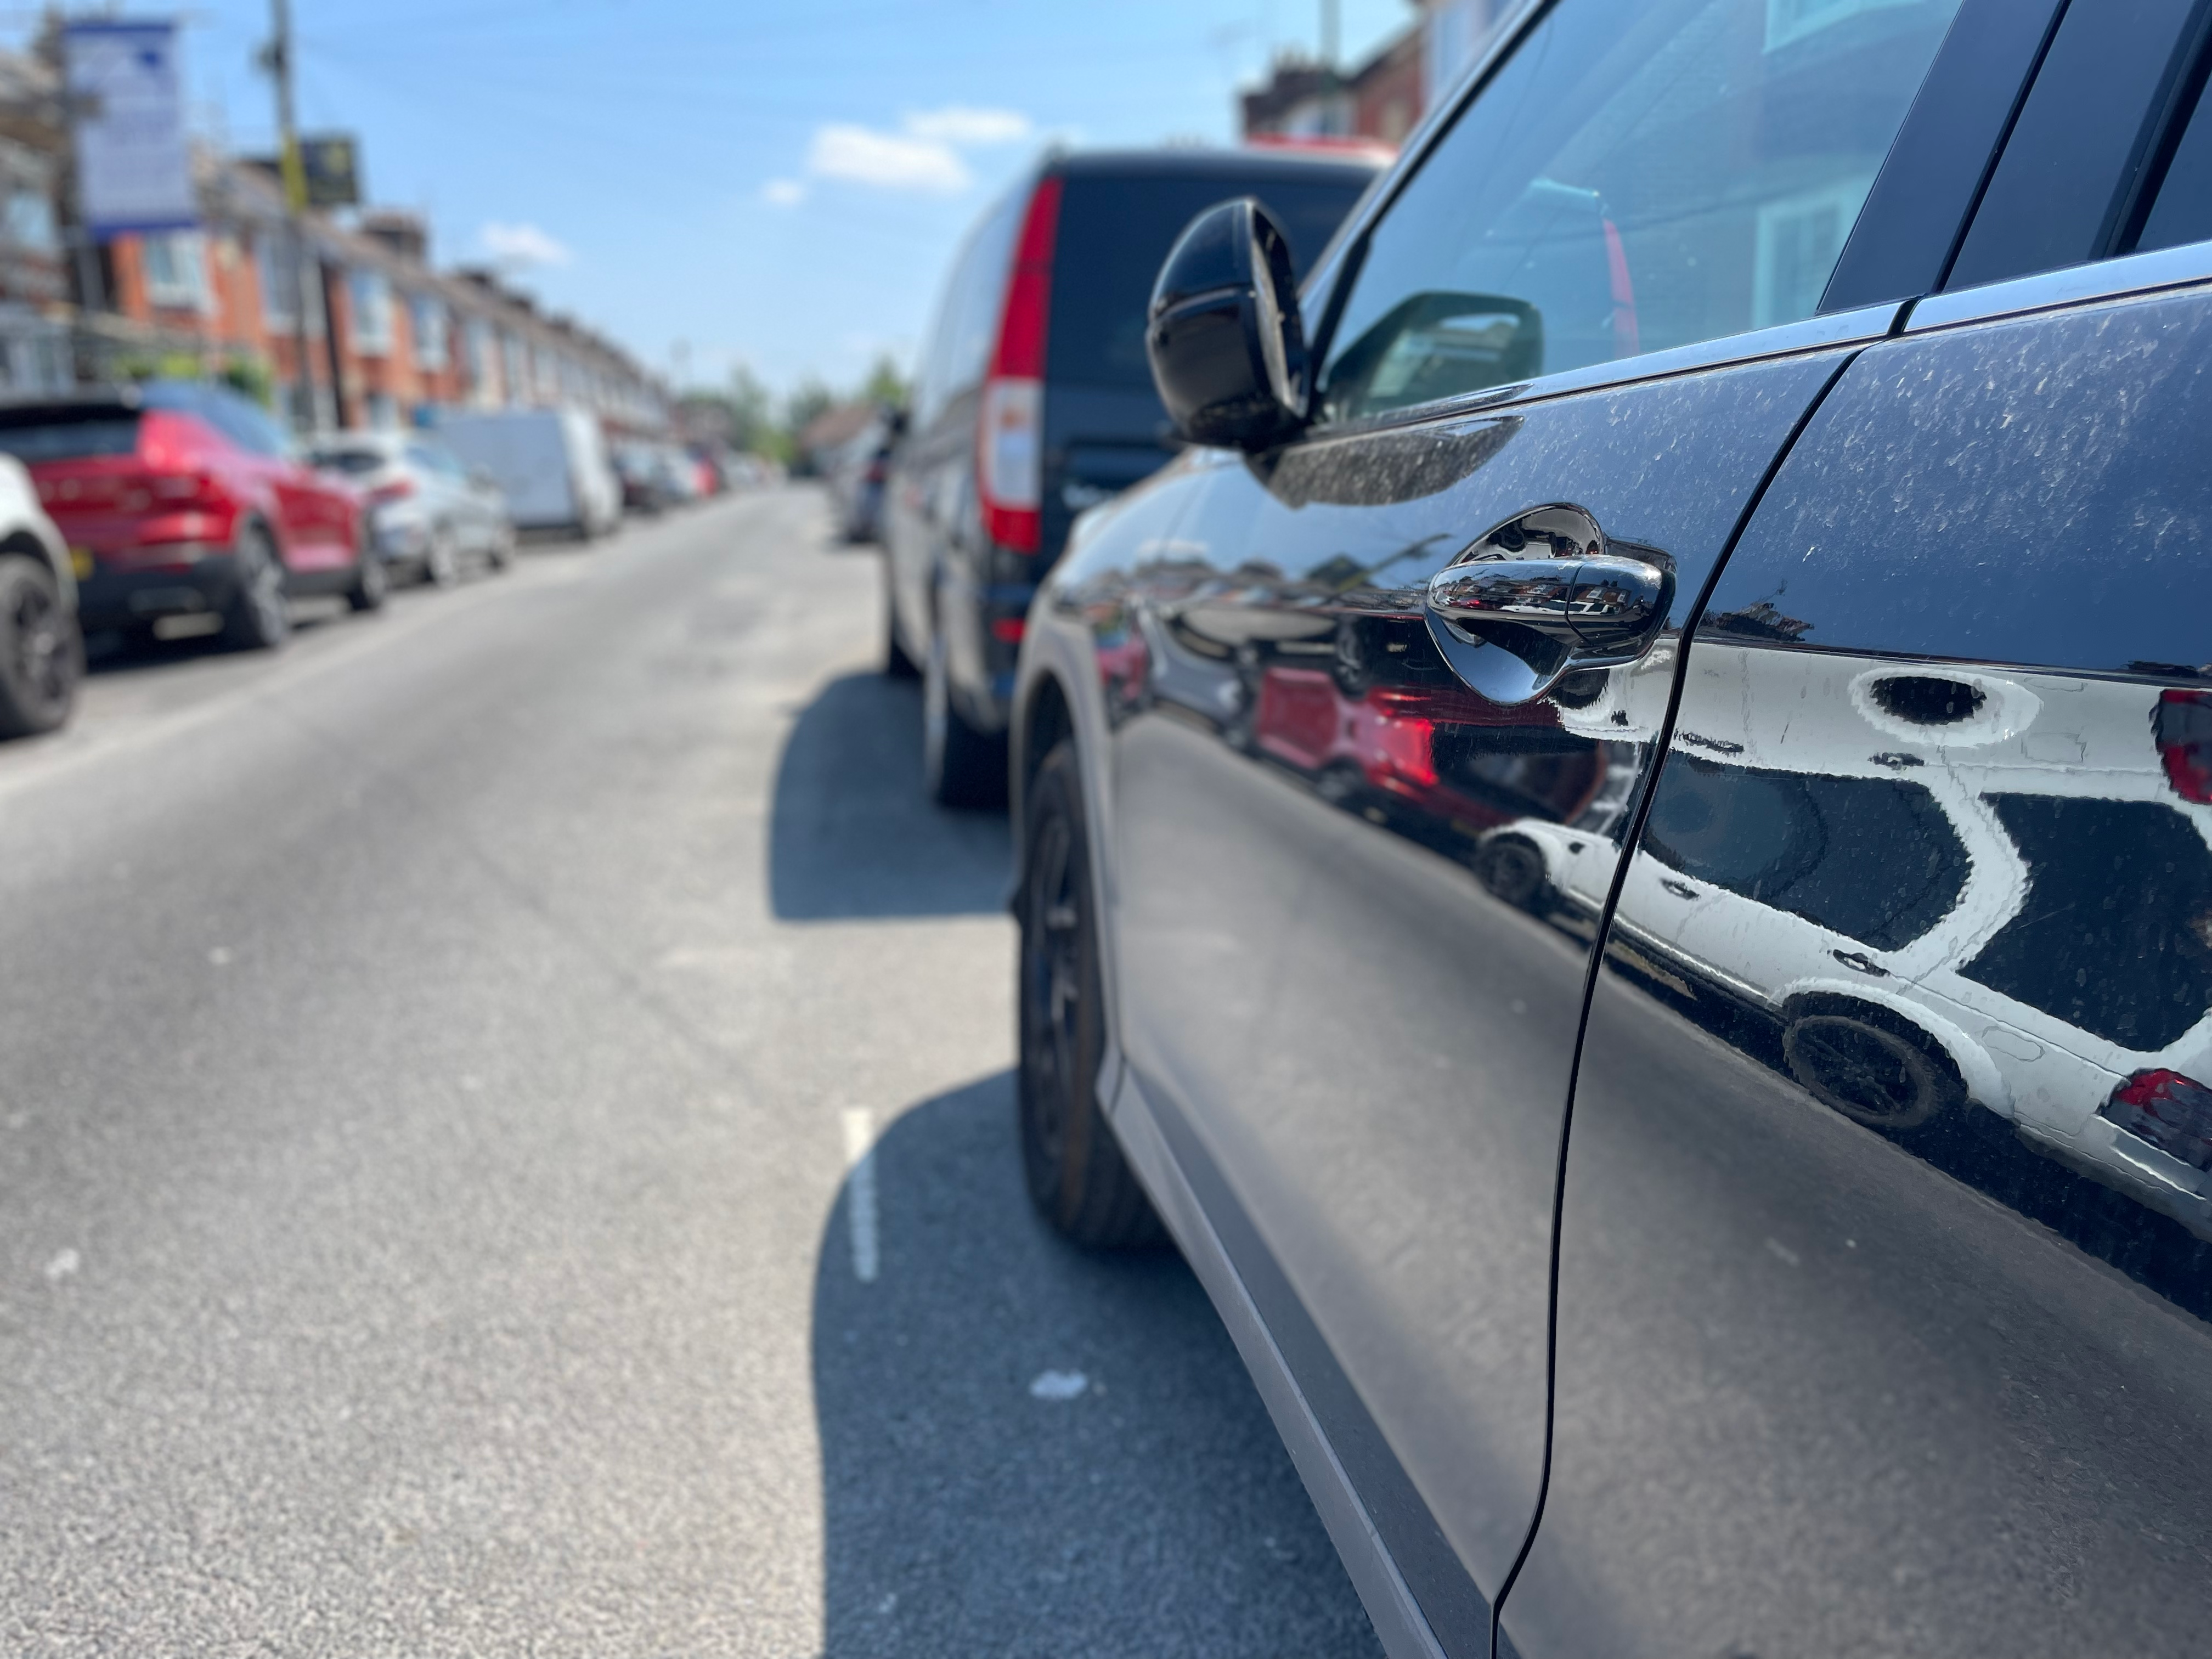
[(551, 464)]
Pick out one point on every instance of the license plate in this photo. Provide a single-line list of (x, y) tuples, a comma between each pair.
[(81, 562)]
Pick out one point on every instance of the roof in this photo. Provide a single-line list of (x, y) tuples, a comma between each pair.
[(1197, 163)]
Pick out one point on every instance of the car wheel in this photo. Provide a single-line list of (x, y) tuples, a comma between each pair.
[(1872, 1067), (41, 653), (1077, 1176), (259, 619), (371, 580), (442, 565), (896, 664), (502, 547), (961, 766), (1512, 870)]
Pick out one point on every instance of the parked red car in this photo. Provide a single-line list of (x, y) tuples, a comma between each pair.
[(184, 500)]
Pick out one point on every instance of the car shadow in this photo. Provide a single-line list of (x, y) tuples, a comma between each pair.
[(851, 834), (1029, 1449)]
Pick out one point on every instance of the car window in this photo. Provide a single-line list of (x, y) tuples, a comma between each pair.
[(1116, 232), (968, 316), (355, 461), (232, 417), (1872, 859), (2182, 211), (1637, 176), (424, 456)]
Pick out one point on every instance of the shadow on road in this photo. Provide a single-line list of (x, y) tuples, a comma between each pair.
[(850, 833), (1155, 1512)]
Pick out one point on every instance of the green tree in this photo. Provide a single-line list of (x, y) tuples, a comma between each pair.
[(885, 385)]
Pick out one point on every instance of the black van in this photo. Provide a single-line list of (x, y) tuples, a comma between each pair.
[(1033, 400)]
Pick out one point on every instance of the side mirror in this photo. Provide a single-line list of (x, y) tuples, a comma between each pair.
[(1227, 348)]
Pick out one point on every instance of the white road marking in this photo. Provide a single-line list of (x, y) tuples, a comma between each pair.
[(1058, 1385), (861, 1190)]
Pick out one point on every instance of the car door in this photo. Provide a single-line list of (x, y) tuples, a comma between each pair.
[(1572, 345), (1883, 1280)]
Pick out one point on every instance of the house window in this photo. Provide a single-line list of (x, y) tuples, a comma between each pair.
[(1788, 20), (1800, 239), (176, 270), (430, 320), (514, 369), (383, 413), (28, 221), (372, 313), (275, 258)]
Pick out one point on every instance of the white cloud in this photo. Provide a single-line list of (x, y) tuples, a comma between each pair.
[(522, 245), (965, 125), (896, 160), (783, 192)]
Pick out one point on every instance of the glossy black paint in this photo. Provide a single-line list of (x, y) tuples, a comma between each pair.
[(1226, 342), (1317, 990), (1917, 211), (2072, 164), (1884, 1278)]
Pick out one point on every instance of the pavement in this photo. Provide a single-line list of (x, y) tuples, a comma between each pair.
[(505, 1148)]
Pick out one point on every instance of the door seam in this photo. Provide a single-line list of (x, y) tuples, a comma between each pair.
[(1632, 832)]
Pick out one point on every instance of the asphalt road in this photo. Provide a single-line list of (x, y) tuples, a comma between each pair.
[(434, 1064)]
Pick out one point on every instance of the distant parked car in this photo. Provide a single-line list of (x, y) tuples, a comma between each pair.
[(185, 500), (427, 512), (644, 485), (550, 464), (857, 472), (1034, 402), (41, 652)]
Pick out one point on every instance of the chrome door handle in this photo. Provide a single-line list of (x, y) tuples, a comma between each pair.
[(1599, 606)]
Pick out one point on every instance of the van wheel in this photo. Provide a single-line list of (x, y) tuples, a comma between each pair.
[(1873, 1067), (258, 619), (442, 565), (1077, 1178), (41, 653), (960, 766), (897, 664)]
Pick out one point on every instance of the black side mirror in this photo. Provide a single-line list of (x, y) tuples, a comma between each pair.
[(1228, 349)]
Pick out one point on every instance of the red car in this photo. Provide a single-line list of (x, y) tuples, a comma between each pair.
[(181, 499)]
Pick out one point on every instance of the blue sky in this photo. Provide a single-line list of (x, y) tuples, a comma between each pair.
[(780, 183)]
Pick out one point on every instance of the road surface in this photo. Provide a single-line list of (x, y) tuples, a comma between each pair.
[(505, 1148)]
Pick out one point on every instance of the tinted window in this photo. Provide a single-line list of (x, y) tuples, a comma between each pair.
[(2112, 934), (1638, 176), (64, 434), (1872, 858), (968, 316), (2183, 211), (1114, 236)]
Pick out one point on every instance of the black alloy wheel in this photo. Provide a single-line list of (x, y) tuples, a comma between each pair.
[(41, 653), (1077, 1178), (259, 618), (1513, 870), (1872, 1067)]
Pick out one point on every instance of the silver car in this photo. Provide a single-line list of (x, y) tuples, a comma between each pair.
[(428, 512)]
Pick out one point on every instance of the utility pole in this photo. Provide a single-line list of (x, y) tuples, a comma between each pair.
[(1330, 12), (276, 59)]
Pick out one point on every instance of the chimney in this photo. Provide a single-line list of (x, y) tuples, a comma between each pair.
[(404, 233)]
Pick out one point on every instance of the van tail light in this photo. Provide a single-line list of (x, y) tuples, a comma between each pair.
[(2173, 1113), (1010, 436), (397, 490), (2181, 726)]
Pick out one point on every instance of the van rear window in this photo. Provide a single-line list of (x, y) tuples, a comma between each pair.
[(1114, 236), (61, 433)]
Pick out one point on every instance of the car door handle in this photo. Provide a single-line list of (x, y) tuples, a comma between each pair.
[(1600, 606)]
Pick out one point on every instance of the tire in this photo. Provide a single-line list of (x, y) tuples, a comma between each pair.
[(372, 581), (1512, 869), (258, 618), (897, 664), (1076, 1174), (41, 652), (441, 563), (502, 552), (1872, 1067), (960, 766)]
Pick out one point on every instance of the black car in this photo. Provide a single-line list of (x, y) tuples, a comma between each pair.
[(1624, 856), (1034, 401)]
